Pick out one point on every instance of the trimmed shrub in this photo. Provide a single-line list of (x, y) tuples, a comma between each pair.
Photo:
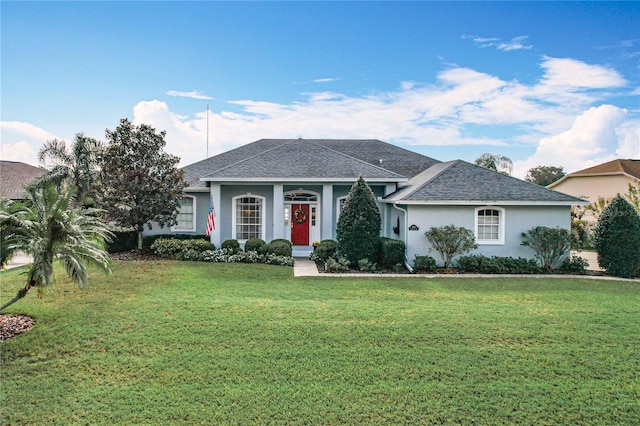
[(232, 245), (181, 249), (365, 265), (451, 241), (550, 245), (391, 252), (324, 250), (282, 240), (254, 244), (576, 265), (148, 240), (424, 264), (480, 264), (358, 228), (337, 265), (617, 239), (279, 247)]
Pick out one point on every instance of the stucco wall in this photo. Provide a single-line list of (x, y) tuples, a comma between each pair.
[(202, 210), (592, 187), (517, 219)]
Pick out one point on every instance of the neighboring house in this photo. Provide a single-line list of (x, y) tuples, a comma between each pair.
[(295, 188), (601, 181), (14, 176)]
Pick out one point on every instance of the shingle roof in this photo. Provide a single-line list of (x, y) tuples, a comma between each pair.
[(14, 176), (458, 181), (630, 167), (309, 159)]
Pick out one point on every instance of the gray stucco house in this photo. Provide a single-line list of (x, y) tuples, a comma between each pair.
[(294, 189)]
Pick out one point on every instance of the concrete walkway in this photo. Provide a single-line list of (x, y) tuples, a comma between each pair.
[(20, 259)]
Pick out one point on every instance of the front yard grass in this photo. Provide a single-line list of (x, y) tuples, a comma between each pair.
[(165, 342)]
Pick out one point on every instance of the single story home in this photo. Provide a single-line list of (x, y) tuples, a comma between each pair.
[(295, 189), (605, 180), (15, 176)]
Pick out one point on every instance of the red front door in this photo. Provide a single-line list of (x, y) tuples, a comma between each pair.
[(300, 225)]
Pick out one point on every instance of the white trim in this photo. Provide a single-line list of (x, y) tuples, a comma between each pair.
[(501, 225), (193, 213), (263, 214), (483, 202), (314, 230), (271, 180)]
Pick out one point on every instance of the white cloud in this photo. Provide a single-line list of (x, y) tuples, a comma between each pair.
[(192, 95), (516, 43), (21, 141), (464, 107), (324, 80), (598, 135), (21, 151)]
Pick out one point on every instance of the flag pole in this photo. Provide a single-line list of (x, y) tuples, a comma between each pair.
[(207, 129)]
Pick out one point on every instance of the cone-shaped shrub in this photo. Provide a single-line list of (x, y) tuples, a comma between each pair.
[(617, 239), (358, 228)]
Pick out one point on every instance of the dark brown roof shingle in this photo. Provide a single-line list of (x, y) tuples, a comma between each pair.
[(14, 176)]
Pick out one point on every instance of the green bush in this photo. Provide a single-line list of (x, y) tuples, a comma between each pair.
[(181, 249), (550, 245), (576, 265), (358, 228), (279, 247), (123, 241), (365, 265), (324, 250), (450, 241), (392, 252), (424, 264), (480, 264), (617, 239), (282, 240), (337, 265), (254, 244), (232, 245), (148, 240)]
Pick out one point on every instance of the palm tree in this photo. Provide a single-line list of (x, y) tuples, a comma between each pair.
[(79, 164), (50, 228)]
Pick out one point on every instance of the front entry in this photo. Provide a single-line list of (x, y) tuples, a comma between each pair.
[(300, 225)]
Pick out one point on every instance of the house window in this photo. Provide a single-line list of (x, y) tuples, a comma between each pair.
[(340, 206), (490, 225), (248, 217), (186, 214)]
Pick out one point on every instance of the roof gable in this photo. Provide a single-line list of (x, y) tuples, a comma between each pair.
[(630, 167), (461, 182), (14, 176)]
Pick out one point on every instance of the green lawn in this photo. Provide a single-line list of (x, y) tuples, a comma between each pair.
[(194, 343)]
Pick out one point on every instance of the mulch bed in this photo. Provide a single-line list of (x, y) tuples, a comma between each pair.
[(11, 325)]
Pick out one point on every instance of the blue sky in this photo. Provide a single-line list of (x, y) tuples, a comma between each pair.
[(545, 83)]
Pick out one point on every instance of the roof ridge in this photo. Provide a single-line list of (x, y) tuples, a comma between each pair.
[(285, 142), (349, 156)]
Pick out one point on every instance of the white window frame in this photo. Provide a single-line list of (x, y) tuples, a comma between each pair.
[(501, 226), (339, 201), (263, 213), (193, 228)]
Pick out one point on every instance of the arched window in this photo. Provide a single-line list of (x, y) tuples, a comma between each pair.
[(186, 214), (490, 225), (248, 217)]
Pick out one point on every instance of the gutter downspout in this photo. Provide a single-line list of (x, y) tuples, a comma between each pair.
[(406, 234)]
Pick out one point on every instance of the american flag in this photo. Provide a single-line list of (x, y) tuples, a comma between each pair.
[(211, 223)]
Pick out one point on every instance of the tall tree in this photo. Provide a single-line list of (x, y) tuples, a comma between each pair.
[(141, 182), (544, 175), (358, 228), (79, 163), (48, 227), (496, 162)]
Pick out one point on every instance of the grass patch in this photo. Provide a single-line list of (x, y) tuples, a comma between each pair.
[(165, 342)]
